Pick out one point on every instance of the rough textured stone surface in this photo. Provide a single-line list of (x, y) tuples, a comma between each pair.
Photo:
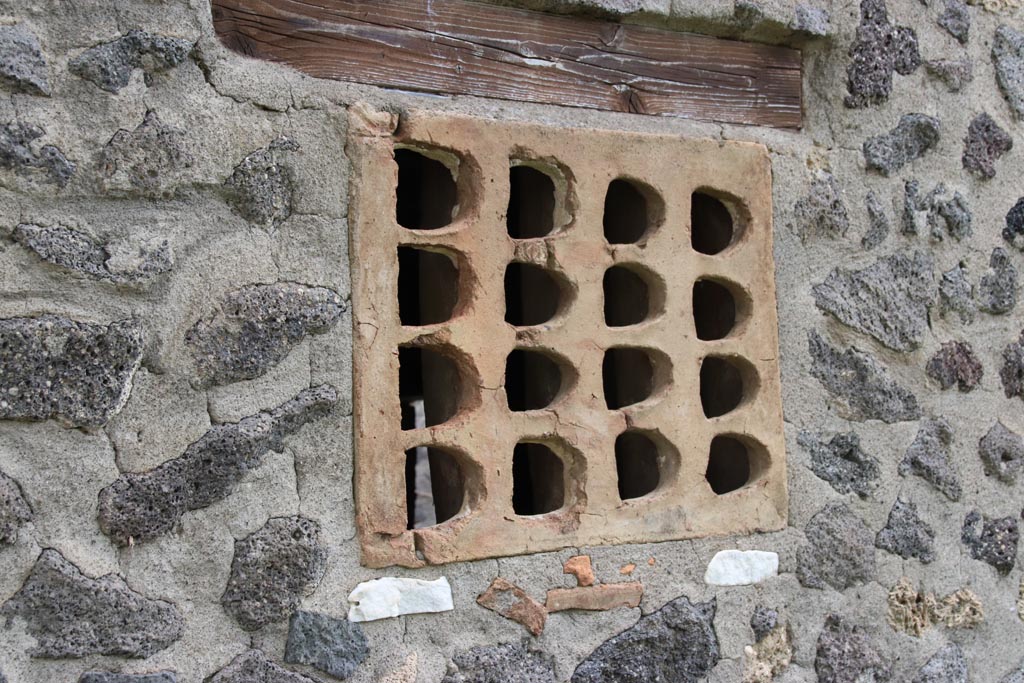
[(1002, 453), (954, 73), (906, 534), (861, 382), (930, 457), (512, 602), (107, 677), (842, 462), (14, 510), (19, 154), (261, 188), (110, 65), (1008, 58), (504, 663), (956, 19), (256, 327), (272, 570), (916, 208), (840, 553), (879, 49), (1014, 230), (913, 611), (768, 657), (254, 667), (888, 300), (57, 368), (1012, 372), (846, 653), (914, 135), (950, 216), (22, 65), (71, 615), (335, 646), (945, 666), (813, 21), (984, 144), (878, 222), (77, 251), (997, 291), (152, 160), (993, 541), (741, 567), (822, 213), (676, 644), (956, 294), (141, 506), (955, 363), (1016, 676), (762, 621)]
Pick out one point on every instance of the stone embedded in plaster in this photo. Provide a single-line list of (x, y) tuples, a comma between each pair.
[(846, 653), (906, 534), (256, 327), (814, 21), (878, 222), (1012, 372), (272, 569), (335, 646), (955, 363), (1014, 230), (956, 19), (1008, 58), (954, 73), (914, 135), (997, 291), (1002, 453), (22, 65), (984, 144), (993, 541), (15, 511), (262, 186), (945, 666), (888, 300), (110, 677), (20, 155), (822, 213), (861, 382), (675, 644), (842, 462), (1015, 676), (741, 567), (580, 567), (768, 657), (930, 457), (78, 252), (56, 368), (254, 667), (912, 611), (950, 216), (915, 208), (956, 294), (763, 621), (141, 506), (512, 602), (393, 597), (110, 65), (598, 598), (878, 50), (152, 160), (503, 663), (840, 551), (72, 615)]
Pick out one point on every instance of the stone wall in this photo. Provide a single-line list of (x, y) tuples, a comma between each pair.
[(175, 375)]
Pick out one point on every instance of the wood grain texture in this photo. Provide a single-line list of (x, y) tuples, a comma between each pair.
[(462, 48)]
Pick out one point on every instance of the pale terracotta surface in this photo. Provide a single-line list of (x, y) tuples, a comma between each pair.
[(595, 598), (512, 602), (578, 426), (580, 567)]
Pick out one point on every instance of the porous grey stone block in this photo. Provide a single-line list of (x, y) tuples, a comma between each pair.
[(256, 327), (57, 368), (503, 663), (676, 644), (18, 154), (71, 615), (110, 65), (1012, 372), (955, 363), (953, 73), (78, 252), (906, 534), (842, 462), (254, 667), (861, 382), (956, 19), (948, 665), (272, 570), (914, 135), (1008, 58), (1002, 453), (952, 214), (107, 677), (152, 160), (956, 294), (1016, 676), (840, 553), (22, 65), (822, 213), (880, 49), (997, 291), (14, 510), (846, 653), (993, 541), (984, 144), (814, 21), (762, 621), (1014, 230), (888, 300), (930, 458), (262, 186), (878, 222), (335, 646)]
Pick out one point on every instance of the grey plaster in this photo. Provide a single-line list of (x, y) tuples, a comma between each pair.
[(822, 213)]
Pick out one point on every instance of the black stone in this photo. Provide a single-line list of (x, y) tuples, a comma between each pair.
[(842, 462), (956, 19), (878, 222), (150, 160), (956, 294), (676, 644), (879, 49), (984, 144), (997, 291), (840, 553), (1008, 58), (955, 363), (110, 65), (504, 663), (142, 506), (1002, 453), (261, 188), (821, 213), (18, 155), (930, 458), (861, 382), (14, 510), (914, 135), (335, 646), (846, 653), (22, 66), (945, 666), (254, 667), (106, 677), (906, 534), (762, 621), (1012, 372), (71, 615), (78, 252), (993, 541), (1014, 230), (272, 570)]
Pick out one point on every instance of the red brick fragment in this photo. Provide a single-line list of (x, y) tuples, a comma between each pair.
[(512, 602), (579, 566), (595, 598)]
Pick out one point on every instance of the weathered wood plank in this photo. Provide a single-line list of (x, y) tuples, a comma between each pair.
[(463, 48)]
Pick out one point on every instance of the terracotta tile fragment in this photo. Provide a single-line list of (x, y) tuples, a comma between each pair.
[(627, 569), (512, 602), (596, 598), (651, 561), (579, 566)]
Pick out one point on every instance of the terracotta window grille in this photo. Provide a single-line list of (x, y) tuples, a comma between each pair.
[(563, 337)]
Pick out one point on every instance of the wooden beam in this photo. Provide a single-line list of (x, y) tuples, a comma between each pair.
[(464, 48)]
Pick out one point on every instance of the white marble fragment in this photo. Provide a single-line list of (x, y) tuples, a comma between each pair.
[(392, 597), (741, 567)]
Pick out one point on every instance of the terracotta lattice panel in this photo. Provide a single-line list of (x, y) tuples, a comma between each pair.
[(707, 342)]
